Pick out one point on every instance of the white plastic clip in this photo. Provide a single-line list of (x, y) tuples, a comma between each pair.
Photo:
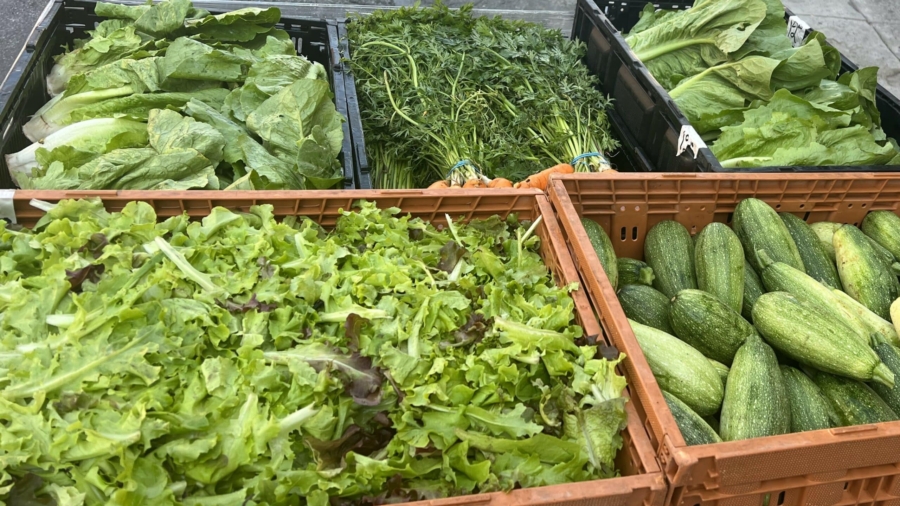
[(7, 208), (797, 30), (689, 139)]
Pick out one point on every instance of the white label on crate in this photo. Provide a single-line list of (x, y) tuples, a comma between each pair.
[(689, 139), (7, 209), (797, 30)]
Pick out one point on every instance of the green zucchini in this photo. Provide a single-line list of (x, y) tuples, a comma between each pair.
[(890, 355), (634, 272), (680, 369), (694, 429), (781, 277), (753, 288), (761, 230), (825, 230), (669, 251), (646, 305), (886, 257), (884, 228), (816, 261), (809, 409), (816, 338), (852, 402), (872, 323), (704, 322), (755, 404), (863, 274), (719, 261), (721, 368), (604, 249)]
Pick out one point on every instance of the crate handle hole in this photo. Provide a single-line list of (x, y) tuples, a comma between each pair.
[(777, 206), (864, 205), (849, 206), (781, 498), (623, 233), (846, 485), (634, 234), (802, 206), (806, 216)]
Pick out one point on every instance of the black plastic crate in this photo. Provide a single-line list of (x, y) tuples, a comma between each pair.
[(64, 21), (645, 117)]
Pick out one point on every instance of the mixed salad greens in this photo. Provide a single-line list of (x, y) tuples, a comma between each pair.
[(242, 360), (167, 96), (734, 72)]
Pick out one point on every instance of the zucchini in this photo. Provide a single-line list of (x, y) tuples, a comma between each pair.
[(633, 272), (824, 230), (761, 230), (646, 305), (753, 288), (755, 403), (816, 261), (886, 257), (604, 249), (680, 369), (863, 274), (890, 355), (719, 261), (669, 251), (721, 368), (707, 324), (852, 402), (780, 277), (809, 409), (694, 429), (884, 228), (872, 323), (816, 338)]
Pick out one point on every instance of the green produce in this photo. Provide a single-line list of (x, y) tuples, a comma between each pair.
[(809, 408), (852, 402), (669, 251), (755, 404), (721, 368), (680, 369), (604, 249), (815, 259), (780, 277), (884, 228), (719, 261), (646, 305), (890, 355), (694, 429), (871, 322), (242, 359), (704, 322), (511, 97), (895, 315), (753, 288), (825, 230), (123, 114), (762, 232), (713, 423), (864, 276), (817, 338), (634, 272)]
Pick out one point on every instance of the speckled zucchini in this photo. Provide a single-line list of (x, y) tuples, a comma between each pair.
[(680, 369), (872, 323), (694, 429), (703, 321), (853, 402), (604, 249), (864, 275), (669, 251), (884, 228), (760, 229), (646, 305), (890, 355), (755, 403), (816, 338), (809, 409), (815, 260), (634, 272), (719, 262), (722, 369), (825, 230)]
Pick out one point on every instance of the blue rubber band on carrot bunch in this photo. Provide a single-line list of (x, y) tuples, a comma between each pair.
[(466, 174), (579, 160)]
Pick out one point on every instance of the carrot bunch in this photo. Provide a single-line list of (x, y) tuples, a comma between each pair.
[(469, 176)]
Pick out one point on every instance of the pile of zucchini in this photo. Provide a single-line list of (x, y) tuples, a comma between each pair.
[(770, 327)]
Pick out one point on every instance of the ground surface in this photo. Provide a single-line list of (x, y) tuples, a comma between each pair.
[(866, 31)]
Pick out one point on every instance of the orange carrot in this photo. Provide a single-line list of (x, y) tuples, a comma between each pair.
[(500, 182), (438, 185), (542, 178), (474, 183)]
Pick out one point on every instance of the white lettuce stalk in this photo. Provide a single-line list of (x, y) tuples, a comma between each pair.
[(54, 115)]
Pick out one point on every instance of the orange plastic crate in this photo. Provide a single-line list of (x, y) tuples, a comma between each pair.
[(840, 466)]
